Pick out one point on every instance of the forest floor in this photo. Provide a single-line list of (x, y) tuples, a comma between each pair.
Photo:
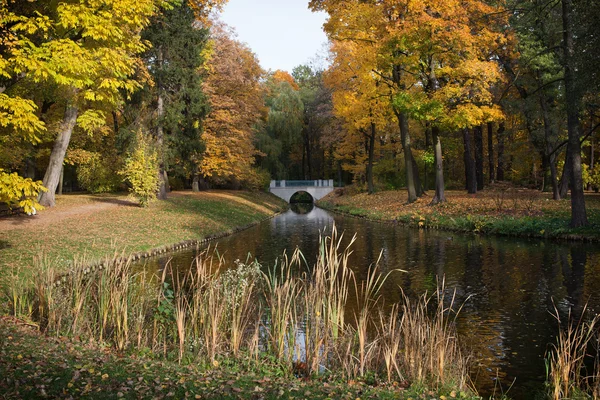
[(36, 366), (96, 226), (500, 209)]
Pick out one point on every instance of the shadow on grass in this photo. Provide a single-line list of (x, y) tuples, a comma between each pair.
[(4, 244), (115, 200)]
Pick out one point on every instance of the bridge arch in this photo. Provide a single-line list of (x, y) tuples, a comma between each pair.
[(302, 196), (286, 189)]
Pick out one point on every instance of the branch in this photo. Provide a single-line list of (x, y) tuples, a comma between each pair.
[(587, 135)]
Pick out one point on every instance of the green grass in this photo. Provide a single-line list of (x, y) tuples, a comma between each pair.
[(126, 227)]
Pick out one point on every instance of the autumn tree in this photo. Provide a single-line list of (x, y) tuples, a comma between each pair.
[(86, 51), (232, 86)]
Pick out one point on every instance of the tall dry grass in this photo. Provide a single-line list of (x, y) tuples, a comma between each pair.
[(295, 314), (567, 372)]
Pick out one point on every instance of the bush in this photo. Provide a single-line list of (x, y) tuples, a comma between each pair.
[(257, 179), (16, 191), (99, 174), (591, 177), (387, 174), (141, 171)]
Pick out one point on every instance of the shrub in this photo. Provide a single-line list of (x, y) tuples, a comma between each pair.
[(257, 179), (98, 174), (141, 171), (16, 191)]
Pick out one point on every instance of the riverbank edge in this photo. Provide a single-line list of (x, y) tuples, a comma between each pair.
[(478, 223), (99, 264)]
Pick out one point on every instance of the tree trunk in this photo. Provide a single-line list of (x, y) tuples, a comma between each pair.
[(115, 122), (490, 129), (309, 157), (371, 150), (440, 196), (195, 185), (61, 180), (57, 157), (554, 178), (408, 160), (478, 134), (550, 158), (500, 170), (565, 179), (428, 140), (578, 211), (470, 173), (160, 112)]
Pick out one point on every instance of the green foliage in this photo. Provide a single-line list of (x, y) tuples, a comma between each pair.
[(99, 174), (257, 179), (591, 177), (387, 173), (17, 191), (141, 171)]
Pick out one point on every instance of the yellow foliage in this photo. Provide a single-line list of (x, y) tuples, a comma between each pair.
[(141, 171), (16, 191)]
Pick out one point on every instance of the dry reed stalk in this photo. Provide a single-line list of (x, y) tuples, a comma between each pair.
[(567, 357), (431, 352), (281, 292), (390, 342)]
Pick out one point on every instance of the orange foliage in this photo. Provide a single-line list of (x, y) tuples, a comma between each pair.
[(283, 76), (234, 93)]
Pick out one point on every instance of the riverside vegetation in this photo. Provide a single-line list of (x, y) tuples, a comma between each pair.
[(241, 331), (295, 319)]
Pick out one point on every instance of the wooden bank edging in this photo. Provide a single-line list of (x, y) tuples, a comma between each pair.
[(158, 251), (559, 238)]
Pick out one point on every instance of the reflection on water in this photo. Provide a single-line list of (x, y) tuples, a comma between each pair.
[(507, 285)]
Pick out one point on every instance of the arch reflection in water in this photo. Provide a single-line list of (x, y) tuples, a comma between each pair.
[(302, 208), (508, 285)]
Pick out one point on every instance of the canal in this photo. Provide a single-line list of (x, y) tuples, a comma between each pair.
[(508, 287)]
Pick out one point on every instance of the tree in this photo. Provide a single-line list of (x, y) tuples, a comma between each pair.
[(232, 86), (174, 61), (280, 140), (86, 50)]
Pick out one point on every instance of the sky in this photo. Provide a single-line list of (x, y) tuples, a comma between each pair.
[(282, 33)]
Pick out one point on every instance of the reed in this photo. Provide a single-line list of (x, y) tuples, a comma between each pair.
[(296, 315), (430, 347), (281, 293), (566, 370)]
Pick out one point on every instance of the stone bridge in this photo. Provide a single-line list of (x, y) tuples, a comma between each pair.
[(286, 189)]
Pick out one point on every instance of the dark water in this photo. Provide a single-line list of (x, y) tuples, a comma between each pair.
[(508, 285)]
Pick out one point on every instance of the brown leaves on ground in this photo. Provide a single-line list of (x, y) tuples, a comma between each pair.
[(498, 200)]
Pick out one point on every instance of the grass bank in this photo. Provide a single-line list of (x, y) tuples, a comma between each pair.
[(96, 226), (500, 210)]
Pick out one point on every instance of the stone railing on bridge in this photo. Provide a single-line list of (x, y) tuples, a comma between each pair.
[(296, 184)]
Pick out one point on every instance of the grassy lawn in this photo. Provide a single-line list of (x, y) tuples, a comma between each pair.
[(35, 366), (95, 226), (498, 210)]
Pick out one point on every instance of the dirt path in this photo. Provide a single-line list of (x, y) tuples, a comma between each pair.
[(59, 214)]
